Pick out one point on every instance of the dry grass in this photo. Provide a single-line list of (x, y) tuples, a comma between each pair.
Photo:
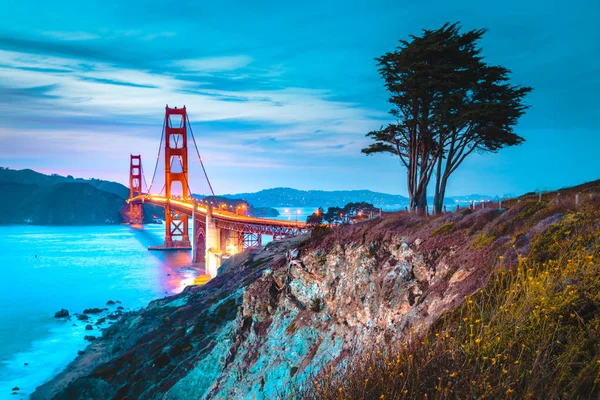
[(533, 332)]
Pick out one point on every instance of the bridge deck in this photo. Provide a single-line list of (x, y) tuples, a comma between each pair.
[(201, 211)]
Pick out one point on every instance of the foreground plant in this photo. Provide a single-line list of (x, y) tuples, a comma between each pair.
[(532, 332)]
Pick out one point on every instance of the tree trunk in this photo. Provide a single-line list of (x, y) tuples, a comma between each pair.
[(410, 179), (422, 203), (437, 204), (439, 201)]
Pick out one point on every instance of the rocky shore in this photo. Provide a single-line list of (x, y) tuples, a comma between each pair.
[(272, 319)]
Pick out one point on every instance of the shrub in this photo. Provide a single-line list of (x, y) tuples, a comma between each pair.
[(316, 304), (443, 230), (482, 240), (320, 231)]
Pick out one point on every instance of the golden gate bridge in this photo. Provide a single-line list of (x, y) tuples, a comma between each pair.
[(217, 232)]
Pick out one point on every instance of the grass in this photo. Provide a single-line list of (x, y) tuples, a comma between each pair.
[(482, 240), (443, 230), (532, 333)]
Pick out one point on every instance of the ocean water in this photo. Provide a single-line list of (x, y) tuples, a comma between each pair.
[(44, 269), (295, 213)]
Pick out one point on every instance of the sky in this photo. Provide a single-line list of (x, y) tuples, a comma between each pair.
[(281, 93)]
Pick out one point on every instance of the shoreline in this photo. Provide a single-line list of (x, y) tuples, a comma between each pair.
[(76, 267), (95, 351)]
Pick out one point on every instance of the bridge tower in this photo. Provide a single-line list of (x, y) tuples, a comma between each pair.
[(135, 188), (176, 173)]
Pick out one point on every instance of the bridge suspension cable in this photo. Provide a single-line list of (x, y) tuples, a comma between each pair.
[(200, 159), (177, 138), (162, 136), (185, 175), (144, 177)]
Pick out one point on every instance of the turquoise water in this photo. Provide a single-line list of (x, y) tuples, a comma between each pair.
[(44, 269), (75, 268)]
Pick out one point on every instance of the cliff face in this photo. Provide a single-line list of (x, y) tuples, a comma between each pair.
[(272, 319)]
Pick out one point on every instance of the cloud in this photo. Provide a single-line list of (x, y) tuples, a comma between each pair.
[(213, 64), (101, 111), (90, 91), (70, 36), (106, 34)]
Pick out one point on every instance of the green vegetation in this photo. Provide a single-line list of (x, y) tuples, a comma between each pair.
[(482, 240), (320, 231), (316, 304), (532, 333), (443, 230), (342, 215)]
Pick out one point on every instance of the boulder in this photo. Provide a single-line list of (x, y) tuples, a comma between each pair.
[(89, 338), (89, 327), (83, 317), (63, 313), (110, 303), (80, 352), (114, 316), (93, 310)]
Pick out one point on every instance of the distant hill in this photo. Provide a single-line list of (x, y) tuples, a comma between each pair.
[(232, 204), (31, 177), (288, 197), (76, 203), (27, 196)]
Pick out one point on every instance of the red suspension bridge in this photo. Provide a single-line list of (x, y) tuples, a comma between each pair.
[(216, 232)]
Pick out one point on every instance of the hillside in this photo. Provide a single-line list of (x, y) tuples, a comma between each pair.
[(34, 198), (30, 177), (287, 197), (474, 304), (232, 204), (58, 204)]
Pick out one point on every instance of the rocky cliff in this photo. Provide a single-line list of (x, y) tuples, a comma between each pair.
[(272, 319)]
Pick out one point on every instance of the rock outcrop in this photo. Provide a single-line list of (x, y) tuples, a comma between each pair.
[(271, 319), (62, 313)]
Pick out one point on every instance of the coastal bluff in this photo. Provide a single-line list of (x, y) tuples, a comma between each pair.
[(272, 319)]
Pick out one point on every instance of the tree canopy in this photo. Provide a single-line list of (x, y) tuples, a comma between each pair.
[(447, 103), (339, 215)]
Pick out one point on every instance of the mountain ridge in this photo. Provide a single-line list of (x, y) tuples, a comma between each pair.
[(290, 197)]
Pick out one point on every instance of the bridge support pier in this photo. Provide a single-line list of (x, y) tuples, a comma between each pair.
[(136, 215), (199, 240), (213, 245)]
